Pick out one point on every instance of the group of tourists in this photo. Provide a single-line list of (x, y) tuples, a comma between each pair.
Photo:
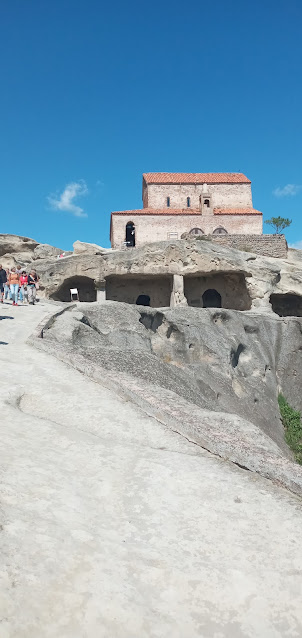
[(18, 285)]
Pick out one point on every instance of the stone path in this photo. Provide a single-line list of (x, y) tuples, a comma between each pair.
[(112, 526)]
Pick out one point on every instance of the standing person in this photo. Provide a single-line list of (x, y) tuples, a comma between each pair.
[(13, 281), (32, 284), (18, 269), (7, 294), (3, 280), (23, 284)]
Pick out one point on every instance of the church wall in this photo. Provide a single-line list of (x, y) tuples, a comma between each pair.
[(239, 224), (149, 228), (228, 195)]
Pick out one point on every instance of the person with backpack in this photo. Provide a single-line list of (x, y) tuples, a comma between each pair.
[(13, 281), (3, 280), (32, 285)]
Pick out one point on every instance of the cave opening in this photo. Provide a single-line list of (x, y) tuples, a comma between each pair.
[(217, 290), (286, 305), (143, 300), (211, 299), (85, 286), (154, 291)]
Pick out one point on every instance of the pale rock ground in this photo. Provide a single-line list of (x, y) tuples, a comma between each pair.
[(112, 526)]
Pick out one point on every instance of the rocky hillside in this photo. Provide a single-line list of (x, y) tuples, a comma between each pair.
[(15, 249)]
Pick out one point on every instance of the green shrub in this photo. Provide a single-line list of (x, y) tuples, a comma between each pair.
[(203, 237), (291, 420)]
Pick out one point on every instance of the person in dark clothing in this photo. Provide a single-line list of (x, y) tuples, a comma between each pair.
[(32, 285), (3, 280)]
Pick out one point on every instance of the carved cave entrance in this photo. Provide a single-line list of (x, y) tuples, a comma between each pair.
[(211, 299), (217, 290), (154, 291), (287, 305), (85, 285), (143, 300)]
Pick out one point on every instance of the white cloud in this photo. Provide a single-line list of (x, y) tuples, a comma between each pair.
[(289, 189), (296, 244), (65, 201)]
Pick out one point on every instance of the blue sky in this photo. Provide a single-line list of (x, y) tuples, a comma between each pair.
[(94, 94)]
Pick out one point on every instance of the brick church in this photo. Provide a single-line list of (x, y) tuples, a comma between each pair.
[(177, 204)]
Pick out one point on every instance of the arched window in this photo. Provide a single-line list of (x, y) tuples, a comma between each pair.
[(206, 202), (130, 234), (143, 300), (196, 231), (211, 299), (168, 202), (188, 202), (220, 231)]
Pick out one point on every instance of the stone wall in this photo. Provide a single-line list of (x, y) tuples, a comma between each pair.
[(267, 245), (151, 228), (223, 195)]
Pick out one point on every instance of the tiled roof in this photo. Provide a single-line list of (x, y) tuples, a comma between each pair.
[(159, 211), (236, 211), (195, 178), (186, 211)]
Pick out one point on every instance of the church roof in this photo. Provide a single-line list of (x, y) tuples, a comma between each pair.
[(186, 211), (195, 178), (236, 211)]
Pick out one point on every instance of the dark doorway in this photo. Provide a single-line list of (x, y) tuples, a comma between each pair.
[(286, 305), (143, 300), (85, 286), (130, 234), (211, 299)]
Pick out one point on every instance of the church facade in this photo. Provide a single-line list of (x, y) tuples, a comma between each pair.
[(178, 204)]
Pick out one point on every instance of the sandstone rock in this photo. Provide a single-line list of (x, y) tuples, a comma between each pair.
[(224, 361), (81, 247), (43, 251), (10, 244), (119, 518), (10, 260), (260, 276)]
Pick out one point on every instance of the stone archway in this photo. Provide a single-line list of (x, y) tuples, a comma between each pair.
[(85, 286), (211, 298), (143, 300)]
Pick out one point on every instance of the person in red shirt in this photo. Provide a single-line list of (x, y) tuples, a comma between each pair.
[(23, 285)]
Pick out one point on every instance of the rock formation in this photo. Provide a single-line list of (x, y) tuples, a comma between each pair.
[(144, 462), (23, 250)]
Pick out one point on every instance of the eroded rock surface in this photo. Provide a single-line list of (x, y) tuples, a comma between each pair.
[(117, 520), (82, 247), (221, 360)]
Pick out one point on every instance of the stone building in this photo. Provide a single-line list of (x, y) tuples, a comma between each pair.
[(175, 204)]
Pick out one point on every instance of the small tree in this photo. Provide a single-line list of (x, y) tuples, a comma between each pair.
[(278, 223)]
